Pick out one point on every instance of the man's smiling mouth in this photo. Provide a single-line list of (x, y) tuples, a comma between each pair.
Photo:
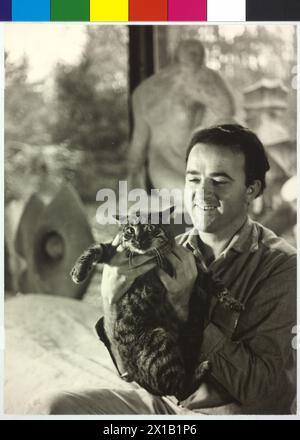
[(206, 207)]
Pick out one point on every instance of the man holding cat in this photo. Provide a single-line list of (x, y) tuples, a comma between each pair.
[(249, 352)]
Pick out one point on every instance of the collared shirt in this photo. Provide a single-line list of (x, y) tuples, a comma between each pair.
[(251, 355), (253, 366)]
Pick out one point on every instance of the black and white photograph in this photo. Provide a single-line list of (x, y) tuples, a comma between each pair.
[(150, 219)]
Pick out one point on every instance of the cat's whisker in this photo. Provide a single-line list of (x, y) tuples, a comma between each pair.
[(158, 256), (130, 258)]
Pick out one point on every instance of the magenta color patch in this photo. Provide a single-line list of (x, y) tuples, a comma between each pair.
[(187, 10)]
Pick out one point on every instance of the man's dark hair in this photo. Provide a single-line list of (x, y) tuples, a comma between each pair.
[(239, 138)]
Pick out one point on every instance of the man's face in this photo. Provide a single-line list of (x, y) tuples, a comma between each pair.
[(215, 189)]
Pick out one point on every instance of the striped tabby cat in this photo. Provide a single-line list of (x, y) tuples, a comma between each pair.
[(158, 350)]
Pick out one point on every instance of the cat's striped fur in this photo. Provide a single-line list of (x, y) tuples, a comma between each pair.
[(157, 349)]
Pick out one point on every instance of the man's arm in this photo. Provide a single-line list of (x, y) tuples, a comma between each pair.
[(180, 286), (249, 365)]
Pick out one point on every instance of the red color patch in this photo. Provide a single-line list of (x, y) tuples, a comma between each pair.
[(148, 10)]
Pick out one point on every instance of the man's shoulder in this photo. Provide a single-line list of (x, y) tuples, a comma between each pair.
[(273, 242), (276, 250)]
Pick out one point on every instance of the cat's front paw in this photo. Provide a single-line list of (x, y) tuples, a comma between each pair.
[(77, 275)]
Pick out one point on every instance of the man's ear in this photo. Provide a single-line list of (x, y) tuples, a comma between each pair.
[(253, 190)]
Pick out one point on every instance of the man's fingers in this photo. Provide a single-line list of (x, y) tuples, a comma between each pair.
[(164, 278), (140, 270), (180, 252), (180, 262), (174, 260), (186, 257), (183, 263), (140, 260), (121, 260)]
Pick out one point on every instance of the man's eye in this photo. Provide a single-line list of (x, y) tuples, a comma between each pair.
[(220, 182), (193, 180)]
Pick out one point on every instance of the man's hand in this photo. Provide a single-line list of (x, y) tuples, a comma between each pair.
[(180, 286), (120, 275)]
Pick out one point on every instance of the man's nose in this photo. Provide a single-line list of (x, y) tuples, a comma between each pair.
[(206, 188)]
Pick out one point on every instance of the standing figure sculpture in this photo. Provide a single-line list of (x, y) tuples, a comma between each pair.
[(167, 107)]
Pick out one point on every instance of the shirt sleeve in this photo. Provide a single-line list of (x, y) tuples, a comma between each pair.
[(249, 363)]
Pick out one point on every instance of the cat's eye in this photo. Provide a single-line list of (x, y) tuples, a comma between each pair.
[(150, 228), (129, 232)]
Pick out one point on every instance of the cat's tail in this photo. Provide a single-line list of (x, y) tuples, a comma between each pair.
[(85, 262)]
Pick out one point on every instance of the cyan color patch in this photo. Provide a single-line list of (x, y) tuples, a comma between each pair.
[(31, 10)]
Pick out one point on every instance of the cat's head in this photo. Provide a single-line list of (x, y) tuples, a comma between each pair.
[(140, 236)]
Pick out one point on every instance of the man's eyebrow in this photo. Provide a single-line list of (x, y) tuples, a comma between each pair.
[(194, 173), (221, 174), (216, 174)]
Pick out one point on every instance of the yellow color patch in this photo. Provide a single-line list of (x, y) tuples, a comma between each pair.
[(109, 10)]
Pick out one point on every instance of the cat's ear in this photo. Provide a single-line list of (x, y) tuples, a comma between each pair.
[(166, 214), (135, 217), (172, 209), (121, 219)]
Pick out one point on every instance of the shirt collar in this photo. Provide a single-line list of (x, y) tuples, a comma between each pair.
[(244, 240)]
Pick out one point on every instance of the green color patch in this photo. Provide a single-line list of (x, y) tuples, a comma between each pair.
[(70, 10)]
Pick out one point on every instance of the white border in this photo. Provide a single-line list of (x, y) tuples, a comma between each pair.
[(226, 10), (150, 418), (298, 226), (2, 216)]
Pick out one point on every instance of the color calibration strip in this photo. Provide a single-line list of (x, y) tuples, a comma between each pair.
[(150, 10)]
